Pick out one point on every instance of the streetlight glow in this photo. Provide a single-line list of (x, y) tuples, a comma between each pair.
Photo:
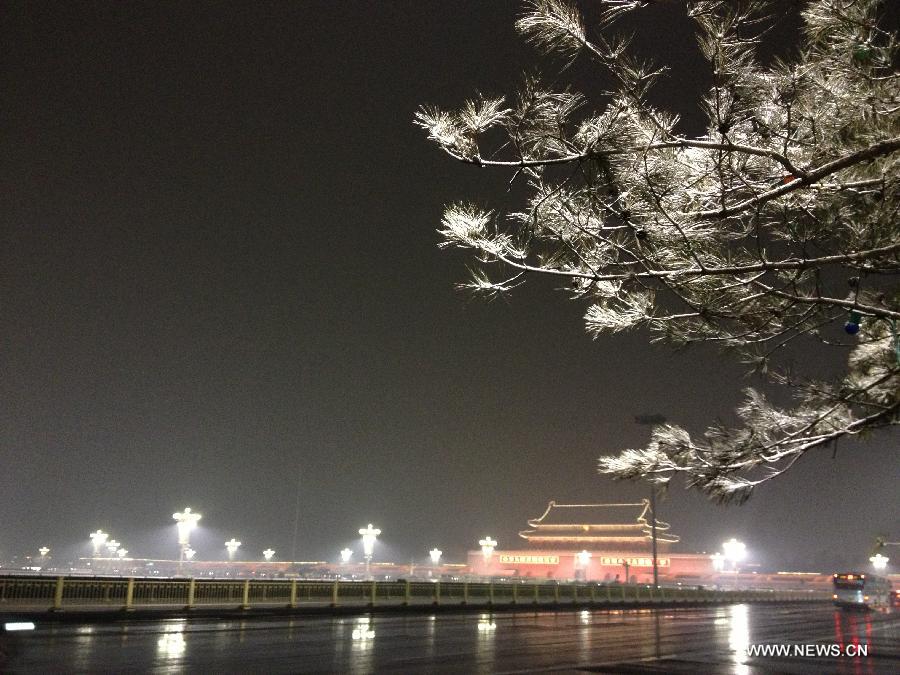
[(487, 547), (98, 538), (232, 546), (186, 521), (879, 562), (435, 554), (369, 535), (718, 561), (43, 550), (346, 554), (268, 553), (734, 551), (189, 553), (584, 559)]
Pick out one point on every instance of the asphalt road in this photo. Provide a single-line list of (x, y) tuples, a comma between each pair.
[(697, 640)]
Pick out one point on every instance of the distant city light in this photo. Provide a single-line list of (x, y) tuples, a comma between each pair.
[(112, 546), (487, 547), (43, 550), (232, 545), (435, 554), (122, 552), (189, 553), (346, 554), (268, 553), (879, 562)]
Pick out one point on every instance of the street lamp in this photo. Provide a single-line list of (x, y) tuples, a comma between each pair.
[(487, 549), (734, 551), (98, 538), (879, 562), (187, 521), (267, 554), (232, 546), (584, 560), (369, 535), (346, 554), (43, 550), (189, 554), (435, 554)]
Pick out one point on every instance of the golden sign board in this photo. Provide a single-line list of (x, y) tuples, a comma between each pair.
[(635, 562), (529, 559)]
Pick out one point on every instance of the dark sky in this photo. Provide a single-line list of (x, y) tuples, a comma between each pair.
[(220, 275)]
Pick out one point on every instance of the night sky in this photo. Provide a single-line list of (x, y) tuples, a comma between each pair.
[(219, 281)]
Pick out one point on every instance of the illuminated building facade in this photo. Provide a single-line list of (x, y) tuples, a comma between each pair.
[(600, 542)]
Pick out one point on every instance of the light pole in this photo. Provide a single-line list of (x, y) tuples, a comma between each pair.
[(267, 554), (346, 554), (583, 560), (369, 535), (734, 551), (435, 555), (186, 521), (487, 550), (879, 562), (98, 538), (232, 545)]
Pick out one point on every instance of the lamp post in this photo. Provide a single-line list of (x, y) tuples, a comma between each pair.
[(186, 521), (435, 555), (232, 545), (879, 562), (734, 551), (98, 538), (267, 554), (487, 550), (369, 535), (583, 561)]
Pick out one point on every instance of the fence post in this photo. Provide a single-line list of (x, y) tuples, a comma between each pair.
[(407, 593), (374, 593), (437, 592), (556, 593), (58, 594), (129, 595), (535, 593), (490, 593), (293, 599), (334, 594), (623, 592), (192, 587), (465, 593), (575, 594), (515, 599), (245, 603), (593, 593)]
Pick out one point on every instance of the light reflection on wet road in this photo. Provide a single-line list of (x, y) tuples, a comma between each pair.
[(701, 640)]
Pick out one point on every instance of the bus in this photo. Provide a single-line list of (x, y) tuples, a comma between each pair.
[(863, 591)]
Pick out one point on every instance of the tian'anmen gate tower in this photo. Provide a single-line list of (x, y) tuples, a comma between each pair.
[(600, 542)]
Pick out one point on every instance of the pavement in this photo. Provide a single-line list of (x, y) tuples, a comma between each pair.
[(704, 640)]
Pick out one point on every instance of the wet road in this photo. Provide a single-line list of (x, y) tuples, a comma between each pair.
[(701, 640)]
